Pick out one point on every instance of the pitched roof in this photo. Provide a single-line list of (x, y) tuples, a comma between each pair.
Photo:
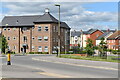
[(47, 17), (19, 20), (29, 20), (90, 31), (108, 31), (103, 35), (114, 36), (75, 33)]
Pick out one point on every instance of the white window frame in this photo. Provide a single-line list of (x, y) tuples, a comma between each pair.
[(39, 39), (45, 38), (39, 48), (14, 47), (14, 38), (46, 49), (46, 27), (39, 28), (8, 38)]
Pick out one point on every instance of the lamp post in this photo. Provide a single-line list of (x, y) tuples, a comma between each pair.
[(58, 29)]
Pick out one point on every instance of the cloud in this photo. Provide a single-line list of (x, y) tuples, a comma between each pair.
[(74, 14)]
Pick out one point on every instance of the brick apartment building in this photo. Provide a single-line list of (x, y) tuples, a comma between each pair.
[(113, 41), (37, 33)]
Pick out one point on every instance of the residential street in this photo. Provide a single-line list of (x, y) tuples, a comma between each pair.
[(48, 66)]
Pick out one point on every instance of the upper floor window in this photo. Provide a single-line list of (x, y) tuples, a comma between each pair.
[(14, 47), (4, 29), (97, 35), (33, 38), (14, 38), (46, 38), (24, 38), (39, 39), (24, 28), (33, 27), (46, 28), (14, 28), (39, 28), (8, 29)]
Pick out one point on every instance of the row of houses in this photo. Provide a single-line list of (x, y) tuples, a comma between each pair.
[(112, 38)]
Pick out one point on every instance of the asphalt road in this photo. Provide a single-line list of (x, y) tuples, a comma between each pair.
[(25, 67)]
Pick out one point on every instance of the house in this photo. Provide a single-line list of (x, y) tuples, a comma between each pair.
[(75, 38), (80, 37), (35, 33), (105, 36), (92, 34), (113, 41)]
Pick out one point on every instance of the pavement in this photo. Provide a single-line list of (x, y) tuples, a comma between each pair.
[(49, 66)]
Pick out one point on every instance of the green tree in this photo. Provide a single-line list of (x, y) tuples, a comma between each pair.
[(89, 47), (4, 44), (102, 48)]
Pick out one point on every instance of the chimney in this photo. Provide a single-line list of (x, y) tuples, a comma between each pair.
[(46, 10)]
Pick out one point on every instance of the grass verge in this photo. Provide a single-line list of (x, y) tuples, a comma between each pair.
[(93, 58)]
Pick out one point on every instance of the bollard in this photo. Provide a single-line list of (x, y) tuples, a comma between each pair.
[(8, 58)]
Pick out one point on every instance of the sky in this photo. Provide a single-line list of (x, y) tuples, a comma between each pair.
[(78, 15)]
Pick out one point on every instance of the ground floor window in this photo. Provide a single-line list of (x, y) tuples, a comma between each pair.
[(46, 49), (39, 48)]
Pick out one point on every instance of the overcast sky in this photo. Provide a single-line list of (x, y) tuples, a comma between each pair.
[(78, 15)]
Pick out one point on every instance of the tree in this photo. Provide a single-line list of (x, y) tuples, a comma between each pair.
[(103, 48), (4, 44), (89, 47)]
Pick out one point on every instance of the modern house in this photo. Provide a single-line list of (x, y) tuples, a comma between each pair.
[(105, 36), (92, 34), (113, 41), (75, 38), (80, 37), (36, 33)]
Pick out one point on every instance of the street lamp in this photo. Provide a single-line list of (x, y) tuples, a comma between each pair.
[(58, 29)]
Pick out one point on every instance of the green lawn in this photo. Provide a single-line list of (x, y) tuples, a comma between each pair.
[(95, 58)]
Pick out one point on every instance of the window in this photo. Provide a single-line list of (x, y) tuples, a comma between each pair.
[(33, 47), (14, 38), (14, 47), (46, 49), (4, 29), (46, 28), (8, 47), (14, 28), (39, 28), (54, 28), (33, 27), (33, 38), (8, 29), (39, 48), (39, 39), (46, 38), (24, 28), (8, 38), (25, 38), (97, 35)]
